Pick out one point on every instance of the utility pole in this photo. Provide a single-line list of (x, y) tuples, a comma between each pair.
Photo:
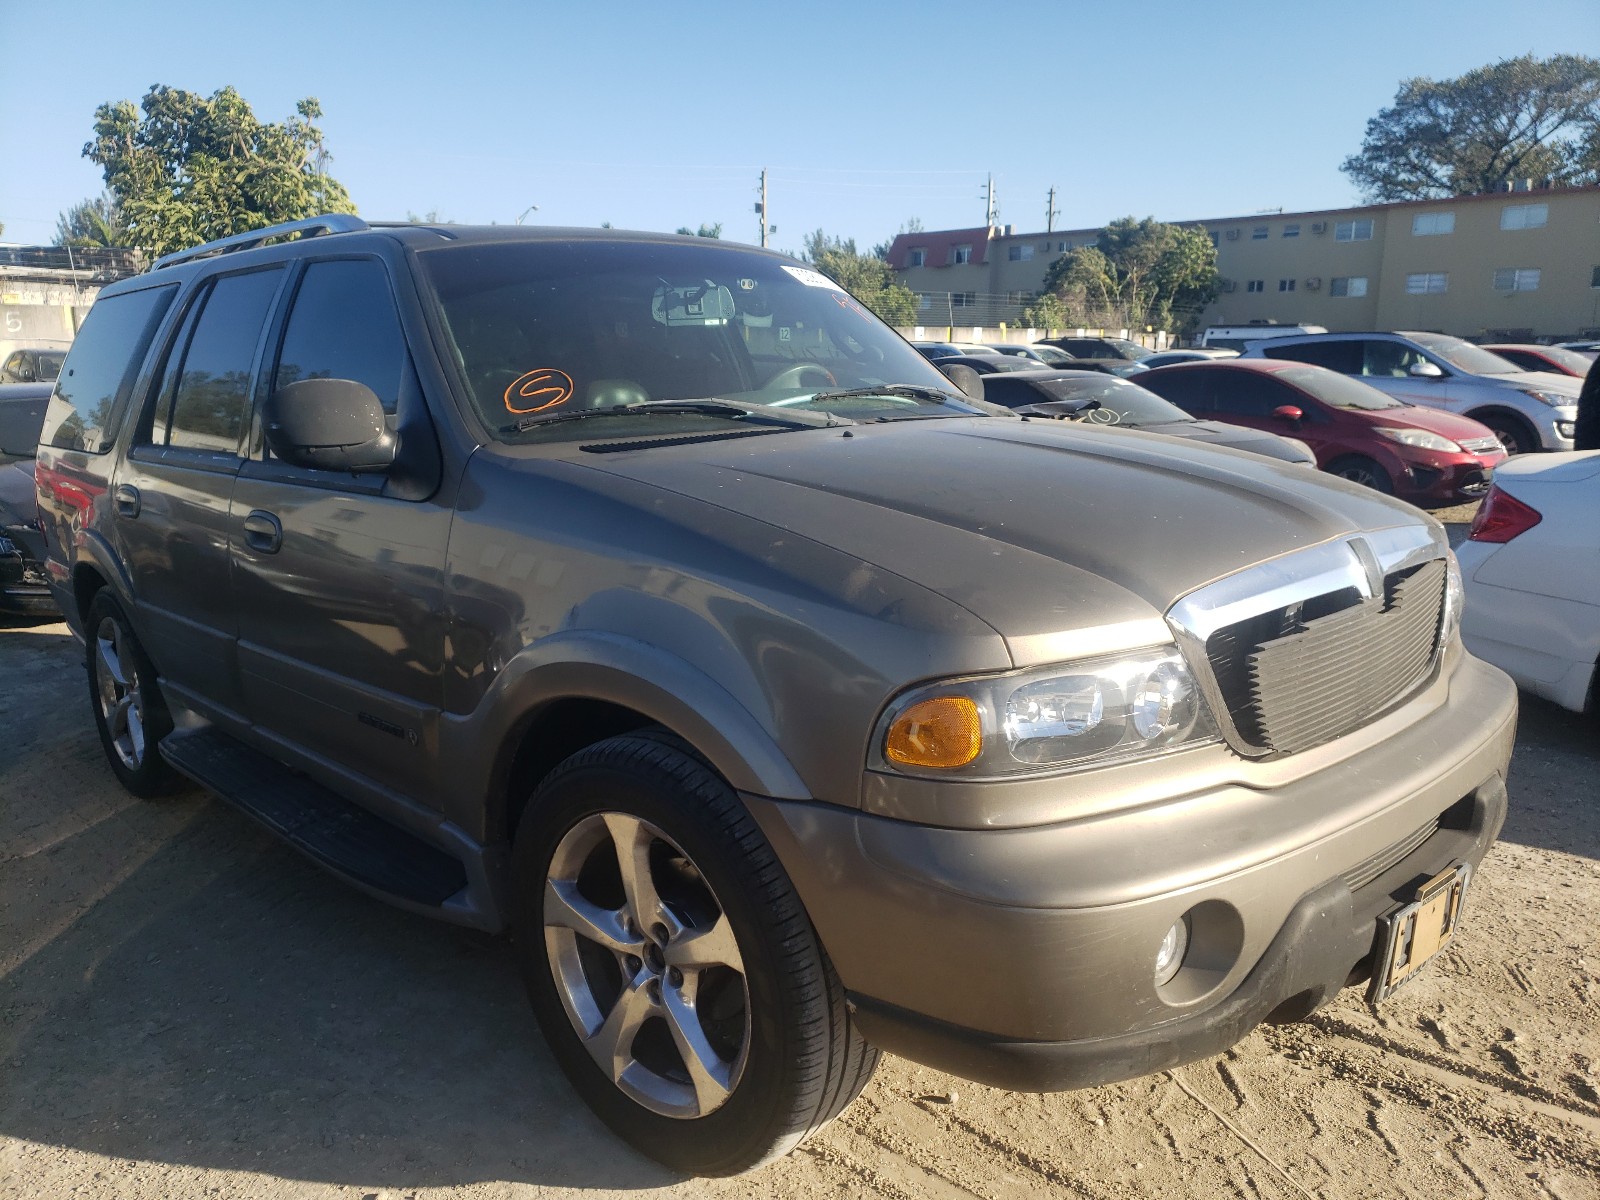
[(761, 208), (1051, 212), (991, 203)]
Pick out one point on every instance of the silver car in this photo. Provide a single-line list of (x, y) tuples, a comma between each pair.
[(1527, 410)]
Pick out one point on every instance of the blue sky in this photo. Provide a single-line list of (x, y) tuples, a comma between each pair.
[(655, 115)]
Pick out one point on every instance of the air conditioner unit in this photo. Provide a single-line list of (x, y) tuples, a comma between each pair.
[(1233, 235), (1319, 227), (1313, 283), (1228, 285)]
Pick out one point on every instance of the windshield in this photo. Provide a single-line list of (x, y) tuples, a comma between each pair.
[(1121, 402), (1130, 349), (1464, 356), (543, 331), (1339, 391)]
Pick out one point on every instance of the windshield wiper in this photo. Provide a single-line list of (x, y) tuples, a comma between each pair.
[(908, 390), (710, 408)]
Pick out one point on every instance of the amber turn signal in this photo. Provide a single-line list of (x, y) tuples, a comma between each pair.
[(945, 731)]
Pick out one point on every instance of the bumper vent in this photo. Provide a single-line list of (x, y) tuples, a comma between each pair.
[(1363, 873)]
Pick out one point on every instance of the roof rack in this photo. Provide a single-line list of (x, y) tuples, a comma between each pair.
[(309, 227)]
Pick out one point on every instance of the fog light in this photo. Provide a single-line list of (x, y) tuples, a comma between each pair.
[(1169, 955)]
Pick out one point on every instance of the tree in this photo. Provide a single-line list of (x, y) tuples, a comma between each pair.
[(1520, 118), (881, 250), (705, 231), (93, 222), (865, 276), (1138, 273), (192, 168)]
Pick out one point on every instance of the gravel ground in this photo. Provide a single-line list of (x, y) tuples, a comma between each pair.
[(189, 1009)]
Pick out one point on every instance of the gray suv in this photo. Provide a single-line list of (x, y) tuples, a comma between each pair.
[(650, 600), (1527, 410)]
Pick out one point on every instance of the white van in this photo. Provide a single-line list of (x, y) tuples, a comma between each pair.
[(1235, 337)]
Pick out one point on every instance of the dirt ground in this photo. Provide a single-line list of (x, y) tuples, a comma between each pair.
[(190, 1009)]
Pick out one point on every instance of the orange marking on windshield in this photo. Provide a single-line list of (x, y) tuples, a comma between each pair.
[(546, 388)]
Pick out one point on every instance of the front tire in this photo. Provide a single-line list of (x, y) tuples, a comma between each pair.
[(129, 710), (1515, 434), (671, 966), (1363, 471)]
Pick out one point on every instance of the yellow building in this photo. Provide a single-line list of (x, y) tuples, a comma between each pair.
[(1510, 265)]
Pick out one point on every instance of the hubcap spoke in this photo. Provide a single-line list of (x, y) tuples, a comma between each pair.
[(612, 1043), (566, 907), (110, 661), (632, 840), (117, 719), (713, 946), (710, 1076)]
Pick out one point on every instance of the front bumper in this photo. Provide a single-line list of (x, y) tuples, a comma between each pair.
[(975, 951), (23, 590), (1448, 479)]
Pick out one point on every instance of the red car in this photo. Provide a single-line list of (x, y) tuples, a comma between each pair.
[(1544, 358), (1419, 454)]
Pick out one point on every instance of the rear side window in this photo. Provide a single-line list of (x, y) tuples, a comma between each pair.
[(208, 386), (1344, 357), (344, 326), (1012, 393), (1189, 390), (1245, 394), (93, 388)]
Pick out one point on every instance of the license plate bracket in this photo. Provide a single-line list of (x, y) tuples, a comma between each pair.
[(1415, 933)]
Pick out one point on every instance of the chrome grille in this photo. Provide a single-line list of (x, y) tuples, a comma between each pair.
[(1303, 675), (1483, 445)]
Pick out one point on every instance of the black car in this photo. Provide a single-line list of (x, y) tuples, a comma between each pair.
[(990, 364), (1099, 347), (22, 581), (1098, 399)]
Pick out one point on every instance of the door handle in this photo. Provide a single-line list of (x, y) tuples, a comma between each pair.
[(263, 532), (126, 498)]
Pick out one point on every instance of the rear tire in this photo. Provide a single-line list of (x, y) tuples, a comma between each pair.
[(129, 710), (1515, 434), (670, 963), (1363, 471)]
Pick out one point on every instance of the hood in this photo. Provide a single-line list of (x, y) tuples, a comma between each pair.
[(1235, 437), (1539, 381), (1063, 539), (1435, 420)]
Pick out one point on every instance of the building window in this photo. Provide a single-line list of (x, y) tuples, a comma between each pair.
[(1427, 283), (963, 299), (959, 255), (1353, 231), (1429, 224), (1516, 279), (1259, 233), (1214, 238), (924, 301), (1062, 247), (1524, 216), (1347, 285), (1291, 231), (918, 257), (1019, 253), (1256, 285), (1594, 278), (1286, 285)]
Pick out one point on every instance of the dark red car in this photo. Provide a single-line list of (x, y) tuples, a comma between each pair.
[(1544, 358), (1420, 454)]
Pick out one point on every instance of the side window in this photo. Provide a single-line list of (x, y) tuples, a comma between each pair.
[(210, 395), (1344, 357), (1189, 390), (344, 326), (94, 381), (1012, 393), (1390, 359), (1244, 394)]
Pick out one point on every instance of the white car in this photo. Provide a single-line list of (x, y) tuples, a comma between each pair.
[(1531, 566), (1195, 354)]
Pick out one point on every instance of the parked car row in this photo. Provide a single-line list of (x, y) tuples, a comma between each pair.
[(22, 582)]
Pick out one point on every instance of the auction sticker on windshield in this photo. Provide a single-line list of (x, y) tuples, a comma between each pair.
[(811, 278)]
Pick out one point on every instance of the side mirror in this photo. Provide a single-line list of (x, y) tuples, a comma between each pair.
[(1288, 412), (965, 378), (1424, 370), (331, 425)]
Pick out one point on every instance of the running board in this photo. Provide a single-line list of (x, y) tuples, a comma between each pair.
[(344, 837)]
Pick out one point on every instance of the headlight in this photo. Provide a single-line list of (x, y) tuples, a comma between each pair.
[(1546, 397), (1455, 596), (1419, 438), (1055, 718)]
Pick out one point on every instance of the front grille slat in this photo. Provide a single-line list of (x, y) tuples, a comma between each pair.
[(1292, 680)]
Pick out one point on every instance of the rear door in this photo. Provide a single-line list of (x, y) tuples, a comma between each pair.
[(171, 496), (338, 578)]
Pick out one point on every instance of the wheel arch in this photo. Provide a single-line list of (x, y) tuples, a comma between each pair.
[(1501, 412)]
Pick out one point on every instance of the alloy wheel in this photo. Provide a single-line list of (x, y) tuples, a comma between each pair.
[(118, 689)]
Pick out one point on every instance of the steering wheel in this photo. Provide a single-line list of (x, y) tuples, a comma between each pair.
[(796, 376)]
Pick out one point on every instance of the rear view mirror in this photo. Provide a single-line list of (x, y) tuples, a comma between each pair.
[(1424, 370), (702, 304), (1288, 412), (965, 378), (331, 425)]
